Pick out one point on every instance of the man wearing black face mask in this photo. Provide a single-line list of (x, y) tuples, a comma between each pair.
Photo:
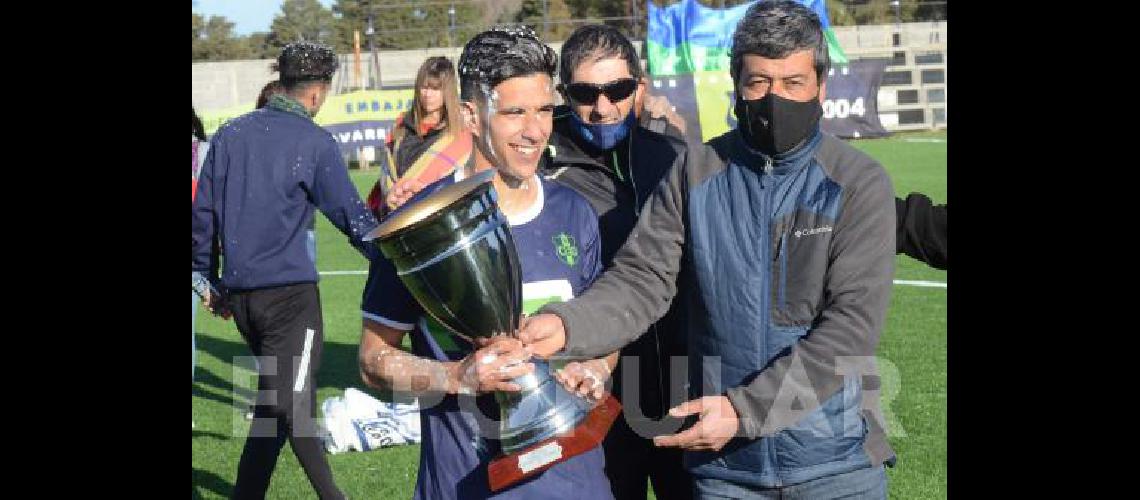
[(779, 240), (598, 149)]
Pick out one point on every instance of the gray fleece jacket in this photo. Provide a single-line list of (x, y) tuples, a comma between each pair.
[(784, 267)]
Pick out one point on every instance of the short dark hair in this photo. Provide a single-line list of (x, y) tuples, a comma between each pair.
[(776, 28), (302, 63), (501, 53), (595, 42)]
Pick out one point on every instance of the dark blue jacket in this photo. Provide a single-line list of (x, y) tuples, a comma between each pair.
[(618, 197), (265, 172), (784, 268)]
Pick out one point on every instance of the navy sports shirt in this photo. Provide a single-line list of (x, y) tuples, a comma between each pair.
[(558, 250)]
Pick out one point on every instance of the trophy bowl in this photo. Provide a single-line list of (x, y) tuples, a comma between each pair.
[(454, 252)]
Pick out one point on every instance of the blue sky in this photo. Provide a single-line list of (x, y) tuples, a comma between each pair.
[(248, 16)]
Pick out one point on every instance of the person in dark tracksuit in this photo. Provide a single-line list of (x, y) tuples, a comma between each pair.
[(599, 149), (271, 88), (265, 173)]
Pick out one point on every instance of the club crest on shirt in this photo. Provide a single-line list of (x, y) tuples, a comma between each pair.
[(566, 248)]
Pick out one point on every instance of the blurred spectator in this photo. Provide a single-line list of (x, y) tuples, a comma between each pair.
[(198, 148), (427, 143), (291, 166)]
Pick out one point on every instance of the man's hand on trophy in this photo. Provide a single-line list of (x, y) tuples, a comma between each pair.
[(493, 366), (544, 334), (585, 378)]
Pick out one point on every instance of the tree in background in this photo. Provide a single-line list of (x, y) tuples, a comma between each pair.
[(350, 16), (929, 10), (301, 20), (405, 24), (534, 12), (260, 46), (197, 25), (214, 40), (500, 11), (861, 12), (400, 24)]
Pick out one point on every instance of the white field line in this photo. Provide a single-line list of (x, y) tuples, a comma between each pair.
[(924, 139), (934, 284)]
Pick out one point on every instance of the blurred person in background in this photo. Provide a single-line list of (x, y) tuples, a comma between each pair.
[(426, 143), (200, 291), (265, 173)]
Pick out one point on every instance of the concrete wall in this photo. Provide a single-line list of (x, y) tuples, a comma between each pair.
[(220, 85), (913, 94), (879, 36)]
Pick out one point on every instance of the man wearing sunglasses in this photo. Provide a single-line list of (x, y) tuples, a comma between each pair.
[(779, 239), (598, 149)]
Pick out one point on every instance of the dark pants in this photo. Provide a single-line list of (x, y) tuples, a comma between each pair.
[(632, 461), (283, 326)]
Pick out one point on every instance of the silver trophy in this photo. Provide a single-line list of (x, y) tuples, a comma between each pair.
[(454, 252)]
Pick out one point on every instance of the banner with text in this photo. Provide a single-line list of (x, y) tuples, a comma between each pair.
[(356, 120)]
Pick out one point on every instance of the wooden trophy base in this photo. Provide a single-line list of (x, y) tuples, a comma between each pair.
[(510, 469)]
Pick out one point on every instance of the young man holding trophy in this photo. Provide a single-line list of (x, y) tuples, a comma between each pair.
[(456, 277)]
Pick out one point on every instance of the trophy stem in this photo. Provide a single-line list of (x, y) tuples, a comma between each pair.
[(543, 408)]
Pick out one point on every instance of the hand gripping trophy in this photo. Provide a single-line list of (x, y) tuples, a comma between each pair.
[(454, 252)]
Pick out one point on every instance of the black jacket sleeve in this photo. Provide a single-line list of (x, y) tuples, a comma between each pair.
[(921, 229)]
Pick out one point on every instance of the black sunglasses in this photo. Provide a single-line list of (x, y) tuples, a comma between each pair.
[(587, 93)]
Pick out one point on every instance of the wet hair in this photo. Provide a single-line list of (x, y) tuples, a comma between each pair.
[(499, 54), (267, 91), (594, 42), (304, 63), (196, 127), (776, 28)]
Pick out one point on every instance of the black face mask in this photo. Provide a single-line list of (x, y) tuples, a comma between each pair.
[(775, 125)]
